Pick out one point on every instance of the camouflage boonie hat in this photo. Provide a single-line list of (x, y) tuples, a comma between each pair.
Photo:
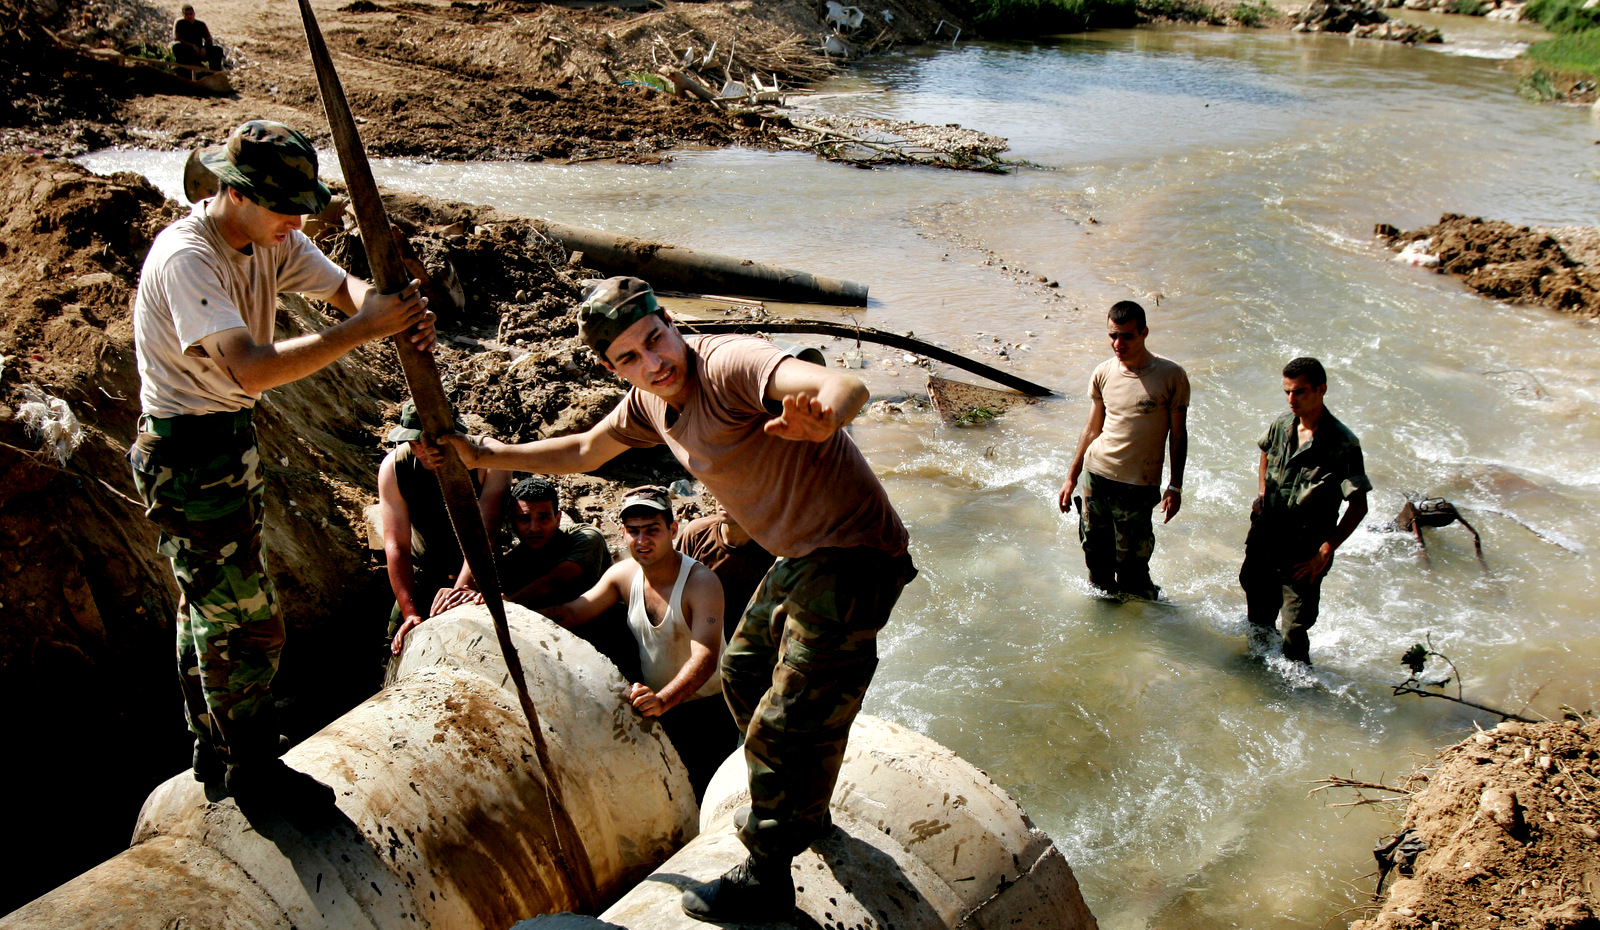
[(410, 428), (610, 307), (273, 165), (653, 496)]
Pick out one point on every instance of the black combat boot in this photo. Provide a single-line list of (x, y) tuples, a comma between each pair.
[(208, 765), (752, 891), (258, 778)]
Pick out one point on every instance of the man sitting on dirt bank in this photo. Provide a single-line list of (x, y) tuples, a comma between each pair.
[(203, 326), (719, 543), (1309, 463), (763, 432), (674, 610), (1140, 405), (421, 551), (194, 45)]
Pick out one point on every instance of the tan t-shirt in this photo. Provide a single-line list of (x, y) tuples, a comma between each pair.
[(194, 284), (1133, 445), (792, 497)]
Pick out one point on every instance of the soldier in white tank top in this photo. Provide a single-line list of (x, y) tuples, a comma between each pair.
[(664, 649)]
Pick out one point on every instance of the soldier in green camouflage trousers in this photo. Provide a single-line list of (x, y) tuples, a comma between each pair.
[(200, 480), (204, 335), (795, 673), (1117, 535)]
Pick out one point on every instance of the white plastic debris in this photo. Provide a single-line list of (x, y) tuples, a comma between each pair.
[(1416, 253), (846, 18), (52, 421)]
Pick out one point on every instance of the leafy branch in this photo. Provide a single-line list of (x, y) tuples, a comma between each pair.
[(1416, 659)]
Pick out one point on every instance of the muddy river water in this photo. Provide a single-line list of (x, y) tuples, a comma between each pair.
[(1229, 181)]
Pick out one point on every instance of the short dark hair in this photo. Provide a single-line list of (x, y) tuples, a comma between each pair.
[(1126, 311), (1308, 368), (534, 488)]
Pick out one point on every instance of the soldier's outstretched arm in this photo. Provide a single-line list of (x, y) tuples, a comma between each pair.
[(564, 455), (816, 401)]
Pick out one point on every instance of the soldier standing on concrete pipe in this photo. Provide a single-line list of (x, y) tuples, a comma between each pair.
[(763, 432), (203, 327)]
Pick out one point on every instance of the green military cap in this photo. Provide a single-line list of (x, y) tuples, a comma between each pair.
[(610, 307), (410, 428), (273, 165)]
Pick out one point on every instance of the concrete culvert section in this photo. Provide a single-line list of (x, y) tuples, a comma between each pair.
[(925, 841), (442, 820)]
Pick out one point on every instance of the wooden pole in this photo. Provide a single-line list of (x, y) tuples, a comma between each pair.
[(433, 408)]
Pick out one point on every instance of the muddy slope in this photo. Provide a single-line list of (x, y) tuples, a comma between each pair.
[(1556, 267), (1504, 835), (435, 78)]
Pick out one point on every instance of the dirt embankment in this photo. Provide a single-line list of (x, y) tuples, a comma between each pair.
[(86, 604), (1504, 835), (503, 79), (1556, 267)]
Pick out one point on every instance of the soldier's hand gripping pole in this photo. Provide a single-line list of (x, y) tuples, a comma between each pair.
[(433, 408)]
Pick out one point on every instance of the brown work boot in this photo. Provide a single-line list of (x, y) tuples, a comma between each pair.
[(752, 891)]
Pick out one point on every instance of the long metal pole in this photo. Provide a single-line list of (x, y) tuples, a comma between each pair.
[(433, 408)]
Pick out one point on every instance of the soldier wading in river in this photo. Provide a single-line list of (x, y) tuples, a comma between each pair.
[(1310, 462), (763, 432), (203, 328), (1140, 406)]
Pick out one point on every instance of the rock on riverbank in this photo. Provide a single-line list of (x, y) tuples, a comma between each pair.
[(1556, 267), (1504, 835)]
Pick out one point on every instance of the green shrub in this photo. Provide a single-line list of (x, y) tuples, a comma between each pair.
[(1252, 14), (1562, 15), (1537, 85), (1042, 17), (1576, 52), (1468, 7), (153, 52)]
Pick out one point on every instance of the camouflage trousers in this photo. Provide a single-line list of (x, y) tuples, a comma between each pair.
[(794, 675), (200, 480), (1117, 535)]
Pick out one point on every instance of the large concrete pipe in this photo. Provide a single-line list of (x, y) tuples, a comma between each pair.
[(443, 819), (925, 841), (674, 267)]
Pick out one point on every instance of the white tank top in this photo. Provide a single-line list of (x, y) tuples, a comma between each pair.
[(664, 650)]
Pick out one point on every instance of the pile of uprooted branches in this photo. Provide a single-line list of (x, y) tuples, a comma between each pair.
[(869, 142)]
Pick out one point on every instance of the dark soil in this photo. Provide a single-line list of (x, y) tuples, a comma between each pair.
[(1553, 267)]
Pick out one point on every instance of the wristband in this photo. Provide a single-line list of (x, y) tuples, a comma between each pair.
[(1173, 487)]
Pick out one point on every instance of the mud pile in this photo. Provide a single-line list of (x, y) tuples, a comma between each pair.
[(1504, 834), (503, 79), (1555, 267)]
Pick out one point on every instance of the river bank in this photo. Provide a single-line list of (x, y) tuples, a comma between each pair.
[(1503, 834)]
